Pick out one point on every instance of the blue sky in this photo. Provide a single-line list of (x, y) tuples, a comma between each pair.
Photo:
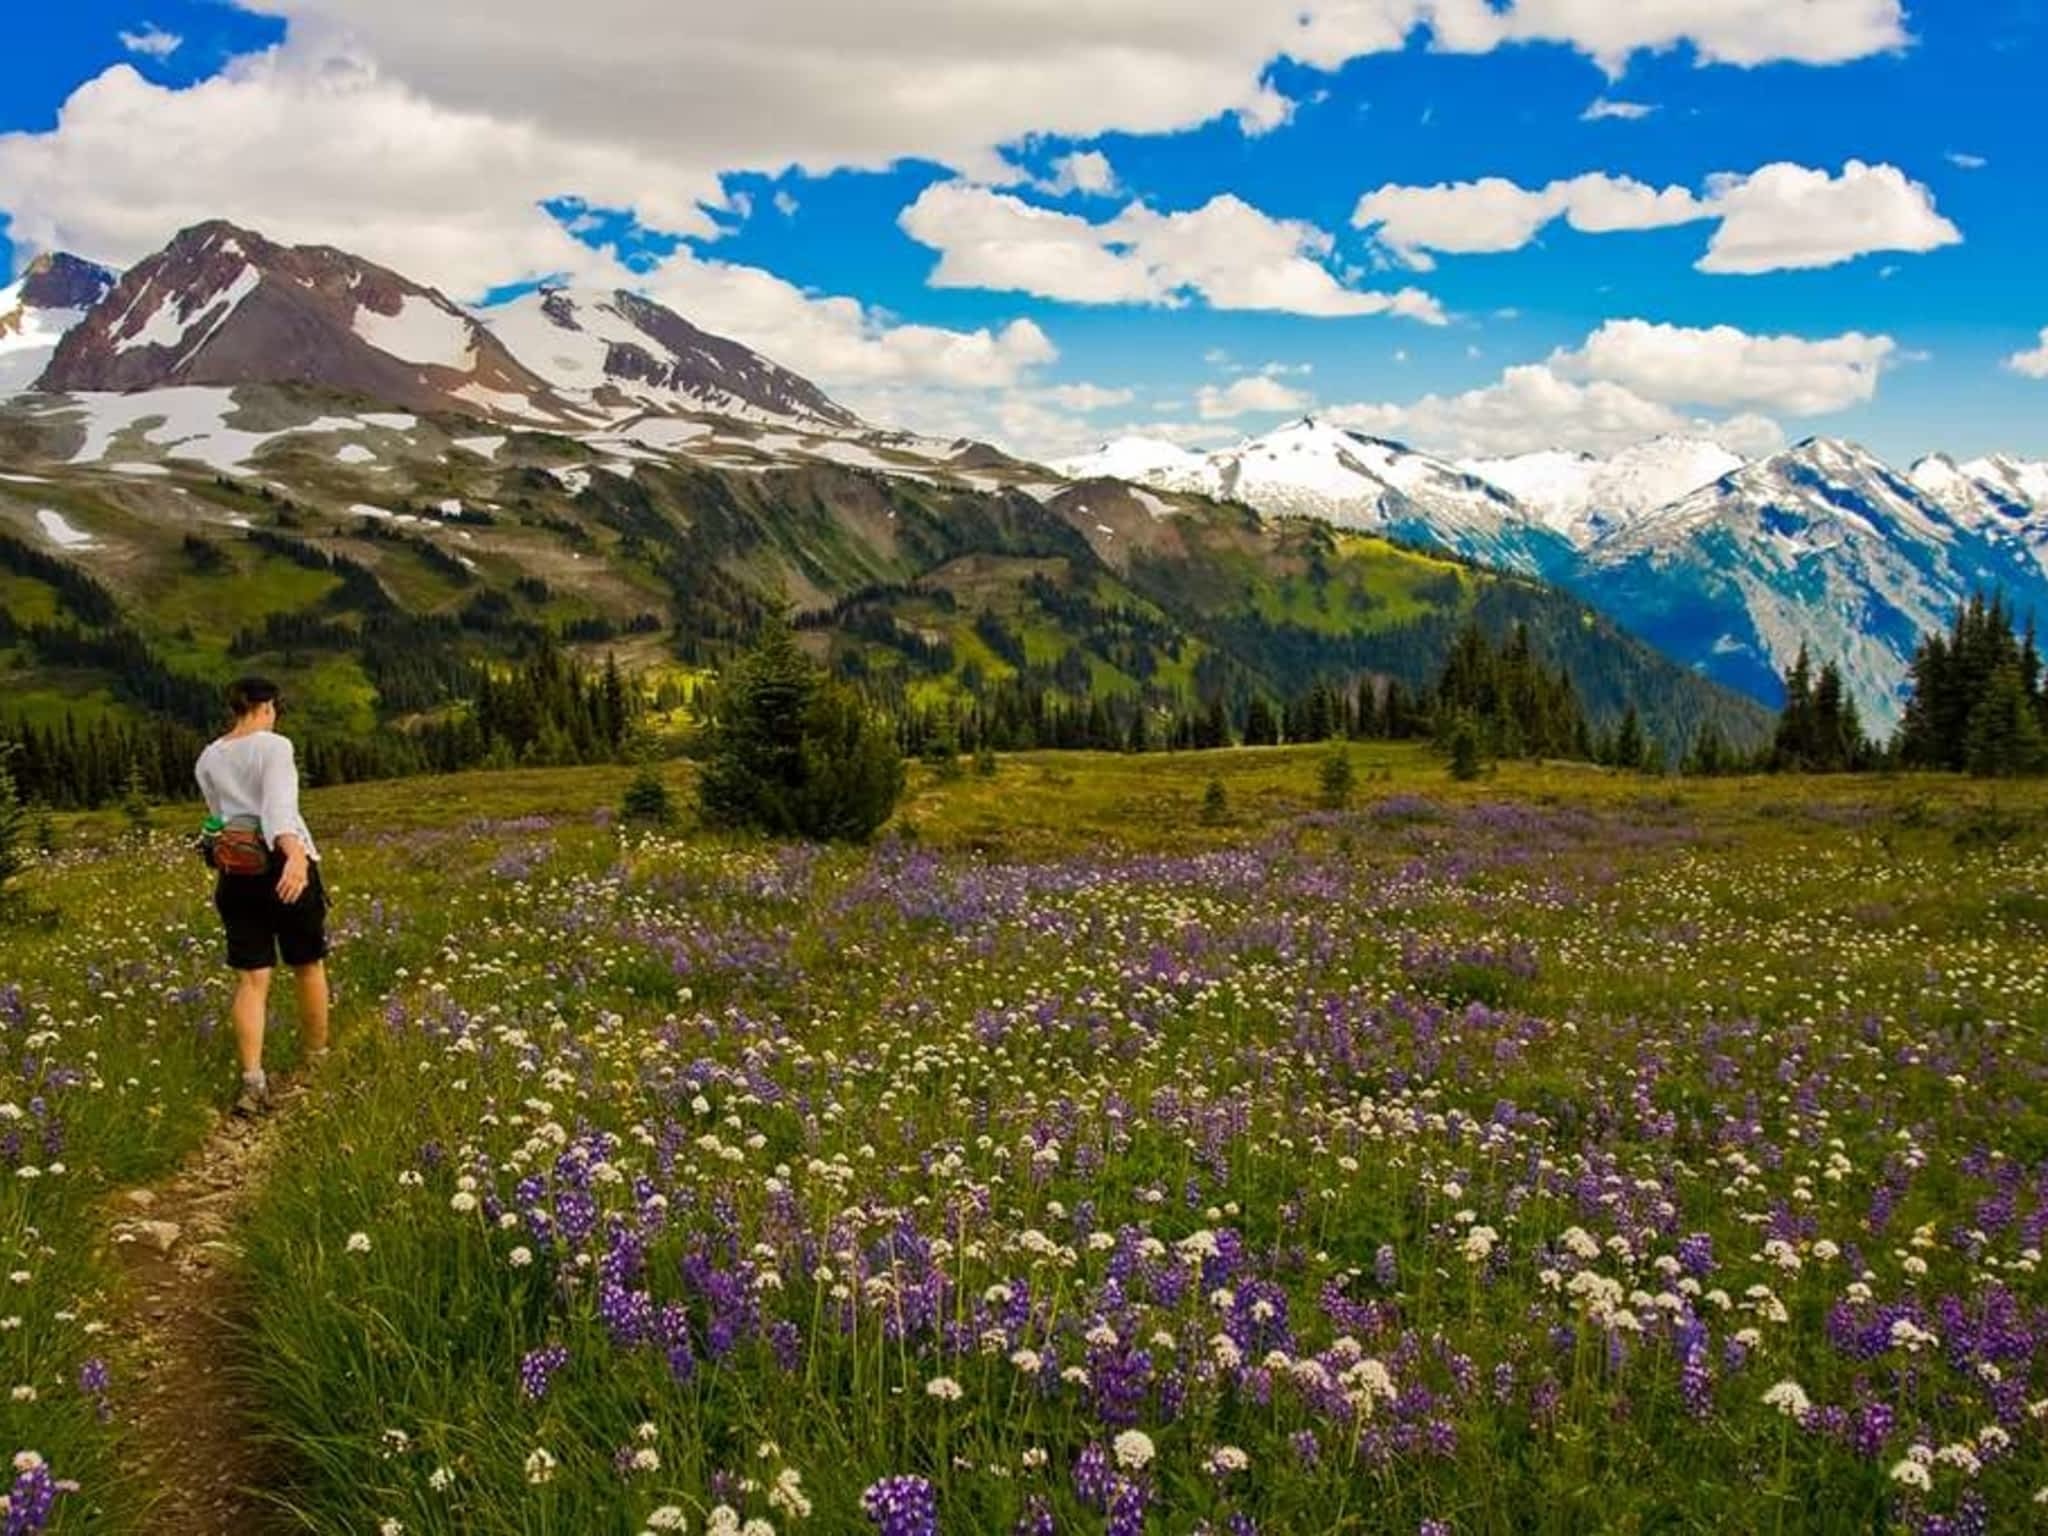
[(366, 123)]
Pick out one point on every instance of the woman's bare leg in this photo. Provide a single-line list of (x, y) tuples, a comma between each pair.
[(252, 1000), (312, 981)]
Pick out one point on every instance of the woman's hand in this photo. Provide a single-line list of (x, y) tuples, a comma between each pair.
[(291, 884)]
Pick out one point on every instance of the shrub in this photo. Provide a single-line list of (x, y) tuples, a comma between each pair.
[(1215, 804)]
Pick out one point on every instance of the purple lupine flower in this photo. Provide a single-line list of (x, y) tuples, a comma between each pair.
[(1036, 1519), (31, 1499), (1872, 1429), (1091, 1475), (93, 1382), (1127, 1504), (538, 1368), (1386, 1271), (903, 1505)]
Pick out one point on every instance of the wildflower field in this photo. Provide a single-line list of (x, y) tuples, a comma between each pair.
[(1561, 1152)]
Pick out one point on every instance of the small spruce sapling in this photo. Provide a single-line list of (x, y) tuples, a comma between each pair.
[(135, 802), (1465, 764), (1336, 780)]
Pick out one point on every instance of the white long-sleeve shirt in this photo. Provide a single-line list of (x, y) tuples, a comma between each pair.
[(254, 775)]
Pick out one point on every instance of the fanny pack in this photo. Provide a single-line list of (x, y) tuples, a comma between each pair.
[(237, 848)]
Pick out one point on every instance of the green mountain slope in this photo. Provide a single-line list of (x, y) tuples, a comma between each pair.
[(155, 547)]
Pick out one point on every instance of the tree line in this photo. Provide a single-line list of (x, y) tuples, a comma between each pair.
[(1976, 704)]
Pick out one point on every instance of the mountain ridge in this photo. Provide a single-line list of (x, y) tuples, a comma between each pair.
[(1748, 562), (1729, 566)]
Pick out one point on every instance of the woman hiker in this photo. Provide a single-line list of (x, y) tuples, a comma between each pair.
[(268, 890)]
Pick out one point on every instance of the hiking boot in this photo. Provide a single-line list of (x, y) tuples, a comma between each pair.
[(252, 1102)]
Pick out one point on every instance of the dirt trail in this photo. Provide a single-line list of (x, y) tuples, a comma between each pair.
[(192, 1419)]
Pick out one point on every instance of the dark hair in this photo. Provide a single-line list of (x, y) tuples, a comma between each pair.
[(246, 693)]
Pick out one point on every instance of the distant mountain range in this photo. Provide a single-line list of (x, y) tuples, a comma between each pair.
[(256, 455), (344, 384), (1726, 565)]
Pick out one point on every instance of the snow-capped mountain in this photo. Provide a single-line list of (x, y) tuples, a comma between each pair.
[(221, 305), (1146, 460), (1727, 566), (2000, 497), (625, 350), (52, 295), (1310, 468), (1823, 545), (1585, 497)]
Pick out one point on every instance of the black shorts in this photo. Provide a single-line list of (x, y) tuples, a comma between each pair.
[(261, 927)]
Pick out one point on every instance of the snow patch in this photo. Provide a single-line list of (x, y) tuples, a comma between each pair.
[(394, 421), (666, 432), (62, 532), (423, 332), (381, 514), (168, 326), (482, 447), (191, 424), (354, 453)]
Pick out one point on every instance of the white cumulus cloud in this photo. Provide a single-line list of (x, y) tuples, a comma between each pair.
[(838, 341), (1531, 408), (2032, 363), (1602, 110), (1253, 393), (1739, 32), (1779, 217), (384, 116), (1789, 216), (1723, 367), (151, 41), (1635, 379), (1085, 396), (1087, 171), (1225, 252)]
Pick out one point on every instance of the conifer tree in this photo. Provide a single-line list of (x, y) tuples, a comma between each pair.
[(1629, 747), (791, 754), (13, 830), (1792, 747), (2005, 737), (1708, 753), (647, 798), (1335, 779), (1215, 803), (1261, 726), (1464, 748), (135, 800)]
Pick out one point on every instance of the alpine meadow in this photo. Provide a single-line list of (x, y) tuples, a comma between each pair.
[(1158, 769)]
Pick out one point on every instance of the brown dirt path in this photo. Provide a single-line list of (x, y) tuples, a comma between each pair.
[(192, 1419)]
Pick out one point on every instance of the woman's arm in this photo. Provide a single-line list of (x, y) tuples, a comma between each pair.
[(281, 818)]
